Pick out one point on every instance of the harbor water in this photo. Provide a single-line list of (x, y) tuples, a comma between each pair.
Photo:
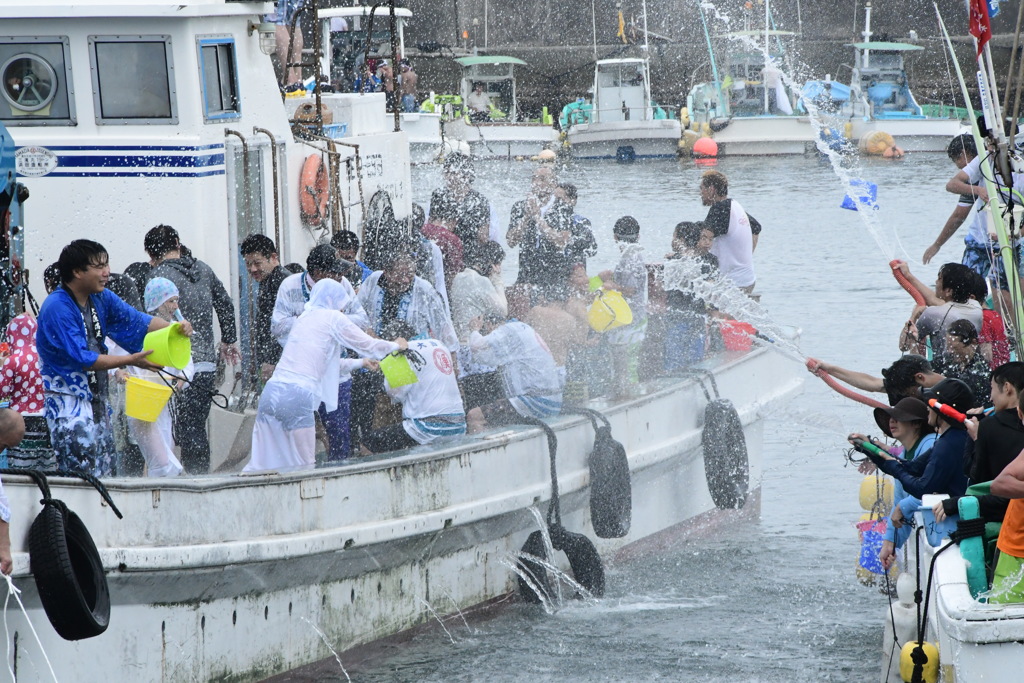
[(774, 598)]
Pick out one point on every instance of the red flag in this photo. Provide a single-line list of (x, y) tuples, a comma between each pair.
[(980, 27)]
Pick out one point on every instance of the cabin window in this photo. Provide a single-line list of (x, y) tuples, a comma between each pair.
[(35, 82), (133, 79), (219, 79)]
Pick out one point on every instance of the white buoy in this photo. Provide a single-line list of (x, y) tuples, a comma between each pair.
[(904, 617)]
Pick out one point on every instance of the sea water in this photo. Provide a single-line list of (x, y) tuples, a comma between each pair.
[(774, 599)]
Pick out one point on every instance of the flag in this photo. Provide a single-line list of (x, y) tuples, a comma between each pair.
[(621, 33), (979, 24)]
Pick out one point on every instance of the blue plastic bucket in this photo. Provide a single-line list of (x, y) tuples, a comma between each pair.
[(860, 192)]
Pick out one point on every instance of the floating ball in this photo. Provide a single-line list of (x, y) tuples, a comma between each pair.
[(705, 147)]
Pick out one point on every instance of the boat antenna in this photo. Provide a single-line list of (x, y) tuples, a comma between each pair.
[(711, 51), (593, 25), (1009, 77), (767, 51)]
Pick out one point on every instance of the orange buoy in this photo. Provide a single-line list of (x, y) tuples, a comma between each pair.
[(314, 191), (705, 147)]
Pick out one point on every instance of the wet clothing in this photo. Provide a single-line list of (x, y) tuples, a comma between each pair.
[(292, 295), (451, 250), (1000, 440), (200, 294), (540, 261), (993, 332), (471, 212), (21, 380), (268, 349), (938, 471), (309, 373), (420, 306), (686, 322), (976, 374), (533, 383), (69, 341), (139, 273), (431, 406), (582, 244), (127, 288), (734, 242), (900, 536), (935, 321)]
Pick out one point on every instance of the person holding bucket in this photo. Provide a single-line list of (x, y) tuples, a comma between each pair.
[(73, 322), (154, 437), (308, 374), (423, 380), (629, 279)]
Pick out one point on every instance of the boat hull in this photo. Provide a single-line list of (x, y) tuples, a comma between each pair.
[(912, 135), (235, 577), (765, 136), (509, 141), (649, 139)]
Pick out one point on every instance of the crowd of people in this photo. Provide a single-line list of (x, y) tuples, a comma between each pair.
[(428, 294), (957, 352)]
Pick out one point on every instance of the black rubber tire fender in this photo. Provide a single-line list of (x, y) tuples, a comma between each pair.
[(726, 465), (69, 574)]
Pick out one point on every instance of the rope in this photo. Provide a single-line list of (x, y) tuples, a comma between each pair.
[(16, 592), (905, 283), (814, 366)]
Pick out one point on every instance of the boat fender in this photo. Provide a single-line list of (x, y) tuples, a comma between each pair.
[(921, 656), (876, 491), (725, 455), (972, 548), (68, 573), (900, 624), (314, 191), (684, 118), (611, 493)]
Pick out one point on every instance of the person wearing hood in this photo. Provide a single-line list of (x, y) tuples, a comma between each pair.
[(154, 438), (629, 278), (201, 293), (292, 296), (308, 374), (21, 383), (73, 322)]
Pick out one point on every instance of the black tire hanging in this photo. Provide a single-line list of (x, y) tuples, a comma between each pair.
[(725, 455), (69, 574)]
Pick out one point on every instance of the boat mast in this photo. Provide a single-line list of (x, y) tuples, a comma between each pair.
[(767, 56), (593, 25), (866, 34), (648, 109)]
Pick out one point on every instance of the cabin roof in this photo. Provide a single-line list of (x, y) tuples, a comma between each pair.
[(489, 59), (44, 9), (625, 60), (755, 33), (878, 45)]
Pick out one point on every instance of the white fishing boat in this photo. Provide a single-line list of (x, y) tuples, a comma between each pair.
[(879, 100), (623, 122), (753, 109), (504, 133), (139, 113)]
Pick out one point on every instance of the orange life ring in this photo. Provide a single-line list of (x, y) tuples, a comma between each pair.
[(314, 191)]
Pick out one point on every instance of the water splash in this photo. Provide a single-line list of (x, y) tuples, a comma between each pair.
[(439, 620), (323, 637), (716, 290), (459, 611), (560, 576), (542, 524), (845, 164), (531, 581)]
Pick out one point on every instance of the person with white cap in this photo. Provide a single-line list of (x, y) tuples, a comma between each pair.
[(308, 374), (155, 439)]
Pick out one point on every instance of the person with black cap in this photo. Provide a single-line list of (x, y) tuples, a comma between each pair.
[(941, 469), (292, 297), (907, 422), (629, 278)]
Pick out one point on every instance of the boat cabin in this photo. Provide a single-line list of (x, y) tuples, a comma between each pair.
[(622, 91), (881, 77), (345, 32), (497, 74)]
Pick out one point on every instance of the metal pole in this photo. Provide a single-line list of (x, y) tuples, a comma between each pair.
[(767, 56), (395, 99), (485, 24), (593, 25), (274, 171)]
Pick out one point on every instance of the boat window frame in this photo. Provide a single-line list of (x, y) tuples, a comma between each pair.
[(69, 82), (172, 92), (210, 40)]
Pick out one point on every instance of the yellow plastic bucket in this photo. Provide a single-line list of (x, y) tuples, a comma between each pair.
[(609, 311), (145, 400), (169, 346), (397, 370)]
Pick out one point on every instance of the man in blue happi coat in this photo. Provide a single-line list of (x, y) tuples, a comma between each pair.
[(74, 321)]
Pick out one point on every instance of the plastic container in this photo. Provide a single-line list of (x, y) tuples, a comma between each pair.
[(737, 335), (397, 370), (145, 400), (595, 283), (860, 192), (609, 311), (936, 532), (169, 346)]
